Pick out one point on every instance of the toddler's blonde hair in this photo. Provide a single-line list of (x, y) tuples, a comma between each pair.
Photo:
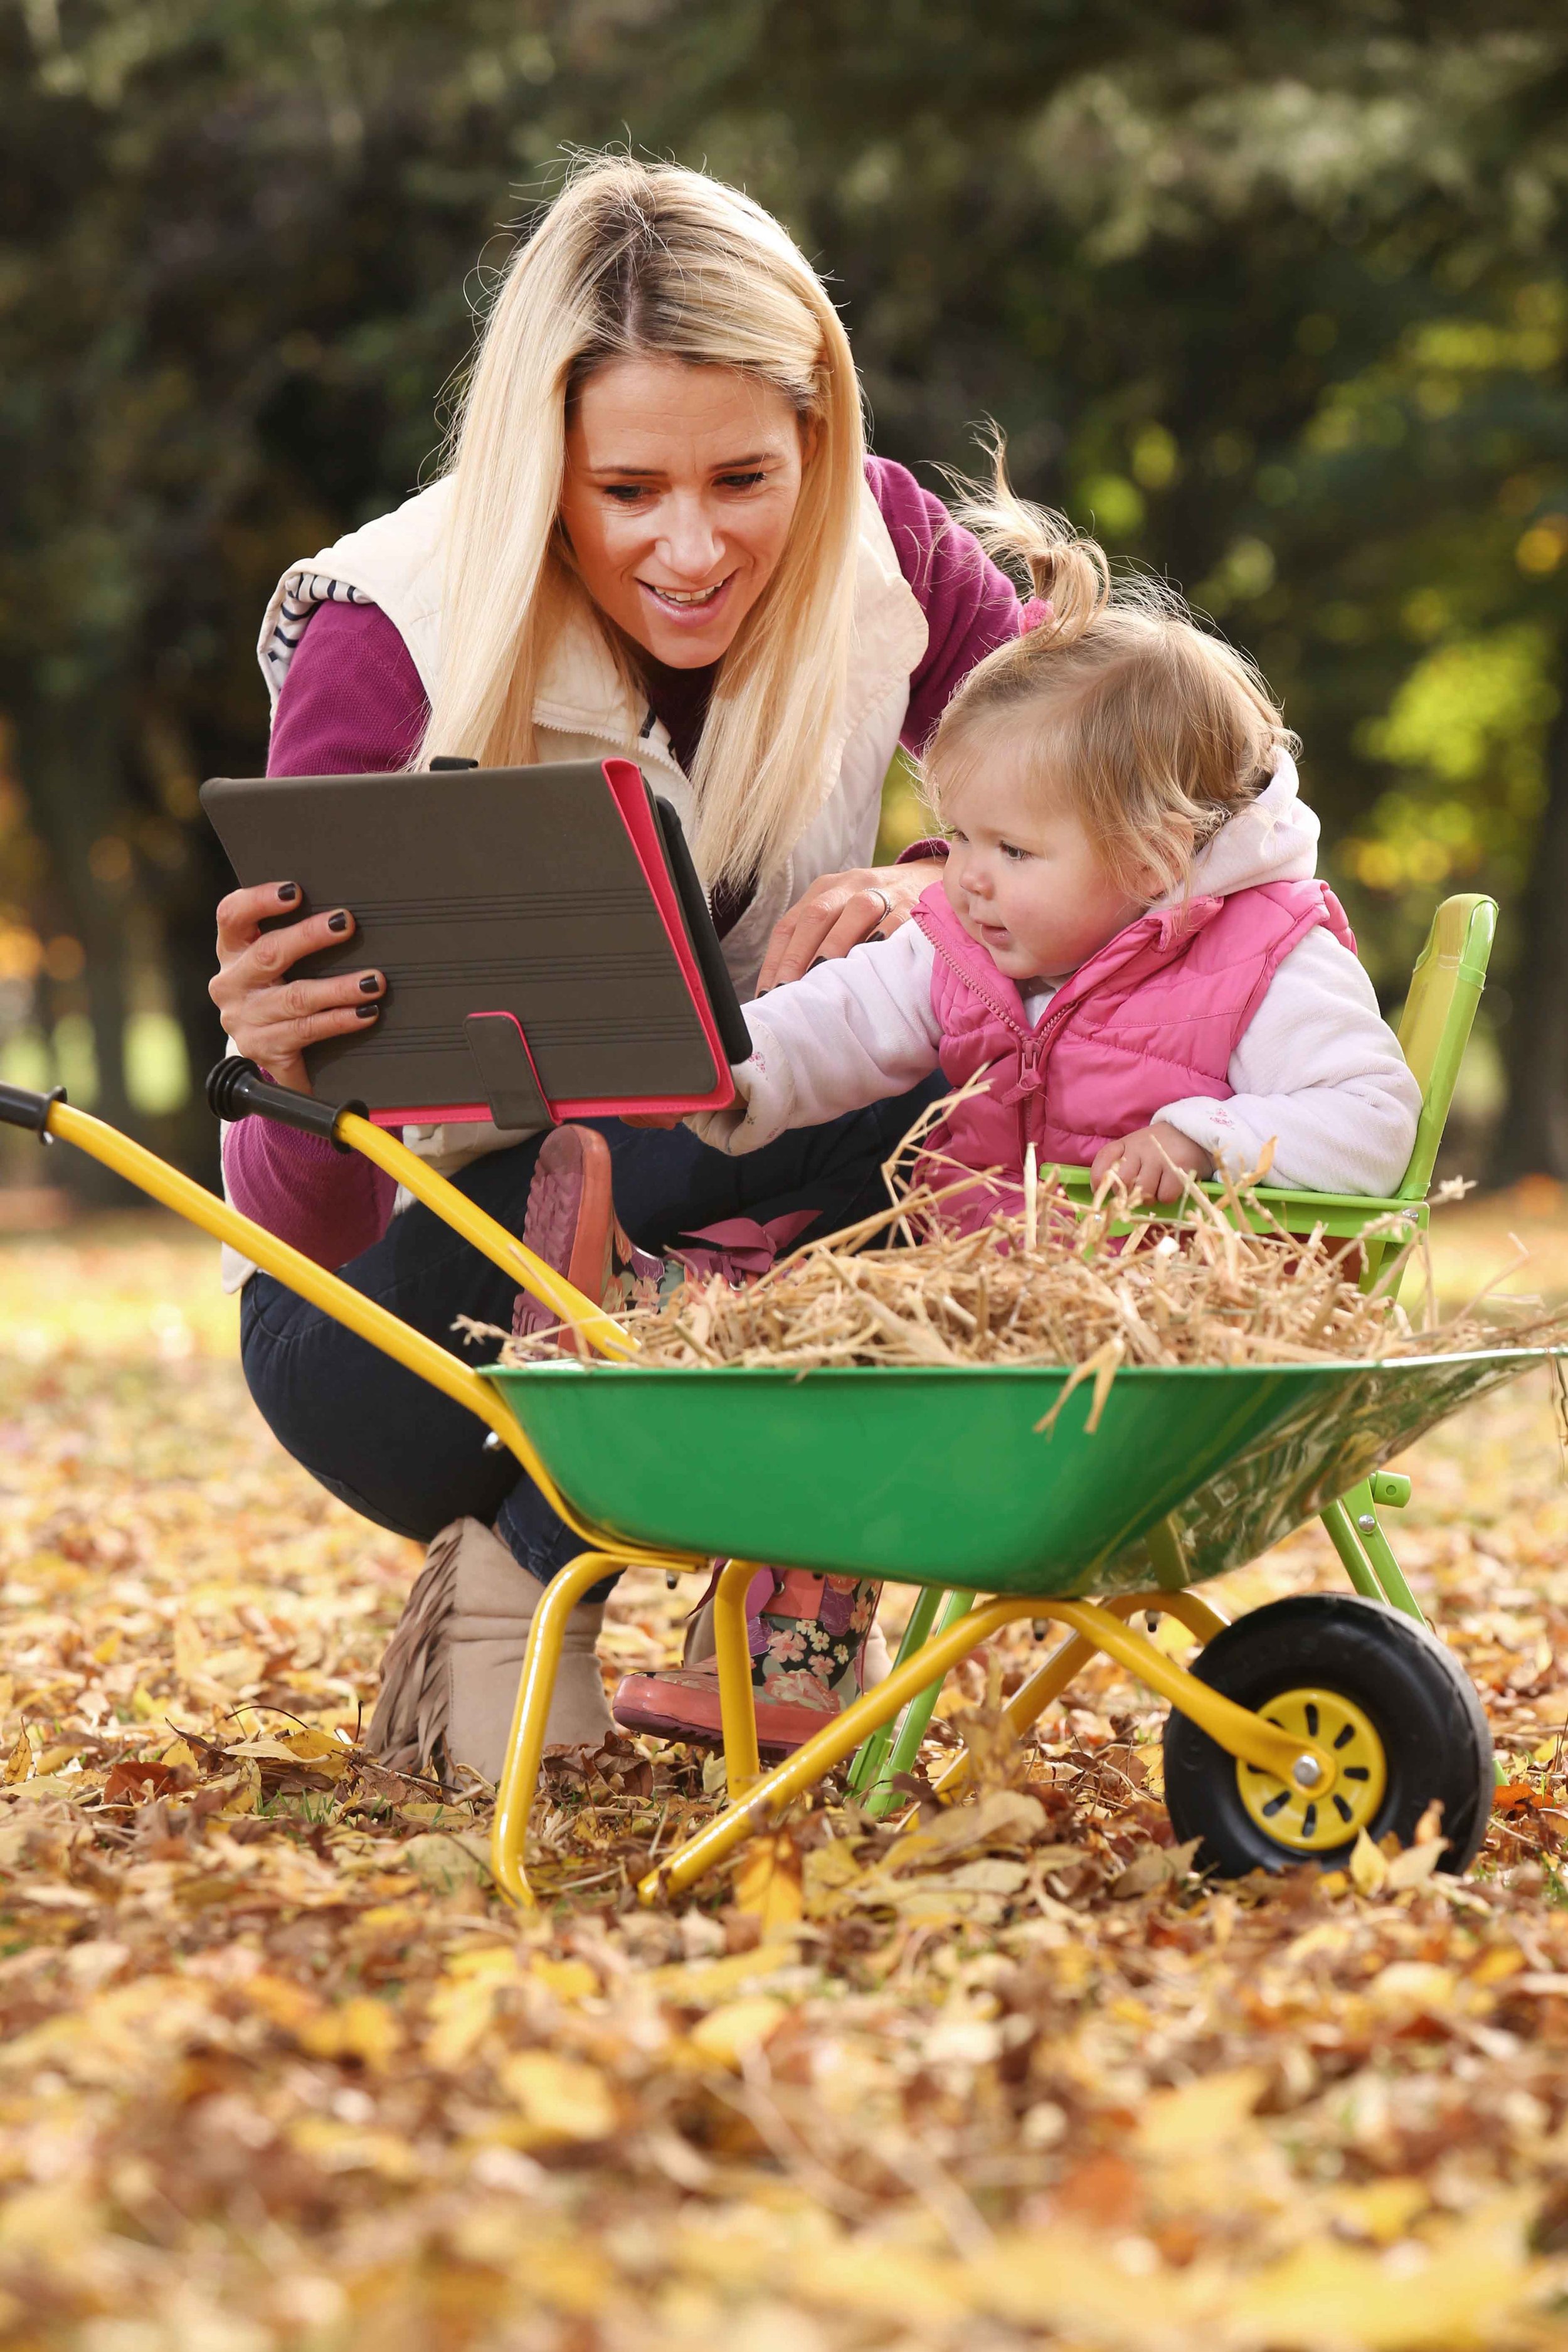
[(1155, 730)]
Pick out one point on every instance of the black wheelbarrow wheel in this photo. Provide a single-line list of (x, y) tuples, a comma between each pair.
[(1396, 1710)]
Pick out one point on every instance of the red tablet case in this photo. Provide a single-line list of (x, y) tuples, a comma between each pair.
[(594, 950)]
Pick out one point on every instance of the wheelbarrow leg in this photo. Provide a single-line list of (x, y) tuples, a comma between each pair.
[(737, 1700), (1357, 1534), (525, 1743), (1030, 1701), (913, 1722), (1236, 1729), (865, 1768)]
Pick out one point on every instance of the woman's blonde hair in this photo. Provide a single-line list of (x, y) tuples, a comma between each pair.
[(650, 258), (1155, 730)]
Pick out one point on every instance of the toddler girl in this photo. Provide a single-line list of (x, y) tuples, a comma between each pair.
[(1127, 937), (1127, 941)]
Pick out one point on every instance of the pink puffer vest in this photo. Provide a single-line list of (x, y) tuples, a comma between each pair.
[(1153, 1017)]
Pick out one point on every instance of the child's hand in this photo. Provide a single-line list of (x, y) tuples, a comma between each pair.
[(1144, 1161)]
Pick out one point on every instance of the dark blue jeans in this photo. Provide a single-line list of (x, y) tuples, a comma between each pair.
[(389, 1445)]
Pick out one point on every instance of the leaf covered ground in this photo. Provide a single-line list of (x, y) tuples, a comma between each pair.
[(278, 2070)]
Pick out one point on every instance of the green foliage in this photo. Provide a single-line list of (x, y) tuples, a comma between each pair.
[(1276, 297)]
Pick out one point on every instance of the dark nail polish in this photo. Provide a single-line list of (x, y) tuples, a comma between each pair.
[(369, 983), (289, 892), (367, 1011), (338, 922)]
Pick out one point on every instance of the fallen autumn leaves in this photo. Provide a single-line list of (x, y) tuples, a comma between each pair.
[(279, 2071)]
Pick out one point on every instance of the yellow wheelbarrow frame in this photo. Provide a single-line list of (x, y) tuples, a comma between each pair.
[(754, 1799)]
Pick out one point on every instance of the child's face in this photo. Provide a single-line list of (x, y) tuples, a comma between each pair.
[(1023, 879)]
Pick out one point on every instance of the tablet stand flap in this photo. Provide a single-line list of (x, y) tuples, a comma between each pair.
[(507, 1077)]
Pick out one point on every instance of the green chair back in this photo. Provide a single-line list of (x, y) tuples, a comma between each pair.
[(1439, 1012)]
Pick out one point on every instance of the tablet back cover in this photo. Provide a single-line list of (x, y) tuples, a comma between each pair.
[(514, 891)]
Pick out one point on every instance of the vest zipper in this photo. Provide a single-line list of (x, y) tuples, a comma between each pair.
[(1032, 1043)]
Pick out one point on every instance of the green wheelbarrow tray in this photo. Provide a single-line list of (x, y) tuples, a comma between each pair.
[(935, 1476)]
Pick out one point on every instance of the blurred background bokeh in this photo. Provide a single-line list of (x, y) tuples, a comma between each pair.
[(1273, 296)]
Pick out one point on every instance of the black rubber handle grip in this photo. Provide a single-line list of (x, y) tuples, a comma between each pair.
[(236, 1089), (20, 1106)]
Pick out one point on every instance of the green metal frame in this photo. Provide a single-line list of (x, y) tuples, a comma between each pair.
[(1434, 1030)]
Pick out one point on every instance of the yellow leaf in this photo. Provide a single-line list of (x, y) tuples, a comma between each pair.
[(443, 1861), (1413, 1988), (696, 1984), (1384, 2210), (767, 1885), (1368, 1868), (361, 2028), (1146, 1871), (19, 1763), (311, 1745), (179, 1757), (828, 1870), (1201, 2116), (108, 1649), (349, 2147), (463, 2009), (190, 1649), (1324, 2293), (1416, 1864), (568, 1980), (561, 2098), (1506, 1962), (727, 2034), (285, 2004)]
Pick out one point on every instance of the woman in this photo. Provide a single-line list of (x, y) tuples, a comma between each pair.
[(659, 534)]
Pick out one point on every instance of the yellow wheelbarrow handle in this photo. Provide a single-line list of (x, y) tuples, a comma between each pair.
[(236, 1089), (426, 1358)]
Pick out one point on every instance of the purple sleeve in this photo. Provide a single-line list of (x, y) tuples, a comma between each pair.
[(351, 705), (329, 1203), (970, 607)]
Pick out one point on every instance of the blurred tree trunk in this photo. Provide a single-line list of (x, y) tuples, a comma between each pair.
[(1532, 1134), (69, 749)]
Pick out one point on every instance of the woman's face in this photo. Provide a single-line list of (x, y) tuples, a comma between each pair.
[(681, 486)]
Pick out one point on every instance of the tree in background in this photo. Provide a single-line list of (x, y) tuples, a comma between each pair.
[(1275, 298)]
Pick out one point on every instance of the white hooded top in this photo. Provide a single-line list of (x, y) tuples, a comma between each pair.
[(1317, 1072)]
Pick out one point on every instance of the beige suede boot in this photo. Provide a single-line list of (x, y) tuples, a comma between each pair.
[(450, 1675)]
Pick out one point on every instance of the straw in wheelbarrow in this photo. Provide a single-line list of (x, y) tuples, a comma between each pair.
[(1220, 1281)]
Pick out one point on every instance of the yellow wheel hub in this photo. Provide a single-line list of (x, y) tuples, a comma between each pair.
[(1308, 1820)]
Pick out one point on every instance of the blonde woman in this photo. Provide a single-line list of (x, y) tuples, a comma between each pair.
[(658, 534)]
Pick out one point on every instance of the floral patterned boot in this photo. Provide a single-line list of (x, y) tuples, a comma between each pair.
[(807, 1635)]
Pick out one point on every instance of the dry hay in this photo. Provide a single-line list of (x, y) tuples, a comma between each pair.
[(1216, 1280)]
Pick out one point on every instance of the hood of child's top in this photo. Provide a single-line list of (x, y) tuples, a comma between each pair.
[(1274, 839)]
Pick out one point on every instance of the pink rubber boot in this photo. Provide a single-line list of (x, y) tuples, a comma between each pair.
[(807, 1640)]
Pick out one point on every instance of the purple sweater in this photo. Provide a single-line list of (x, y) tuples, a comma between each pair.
[(352, 704)]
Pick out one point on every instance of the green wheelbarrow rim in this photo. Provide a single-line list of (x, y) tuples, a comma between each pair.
[(927, 1476)]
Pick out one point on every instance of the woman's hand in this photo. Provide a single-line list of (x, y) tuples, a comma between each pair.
[(841, 911), (269, 1016), (1152, 1162)]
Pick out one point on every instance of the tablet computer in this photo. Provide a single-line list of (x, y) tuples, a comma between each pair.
[(547, 945)]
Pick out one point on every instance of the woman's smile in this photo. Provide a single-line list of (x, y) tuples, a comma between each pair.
[(684, 603)]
